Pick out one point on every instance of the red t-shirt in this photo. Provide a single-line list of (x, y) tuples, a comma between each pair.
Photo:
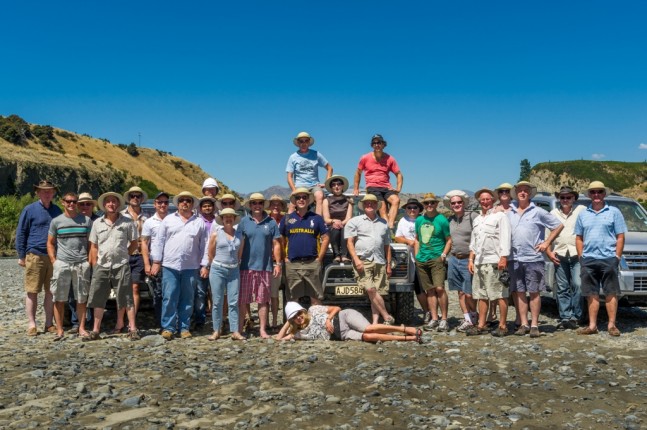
[(377, 172)]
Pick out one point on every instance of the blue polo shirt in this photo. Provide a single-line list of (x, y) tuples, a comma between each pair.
[(257, 251), (33, 226), (303, 234), (599, 231), (528, 230)]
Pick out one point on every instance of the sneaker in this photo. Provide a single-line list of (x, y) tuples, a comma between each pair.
[(534, 332), (167, 335), (522, 330), (475, 331), (443, 326), (572, 325), (186, 335), (426, 318), (499, 332), (432, 325), (563, 325), (587, 330), (464, 326)]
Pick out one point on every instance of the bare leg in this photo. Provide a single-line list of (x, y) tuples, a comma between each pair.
[(461, 302), (394, 201), (132, 326), (136, 298), (80, 312), (535, 308), (432, 303), (121, 313), (262, 316), (376, 337), (612, 309), (377, 305), (422, 299), (483, 305), (48, 305), (594, 307), (319, 202), (503, 307), (31, 303), (385, 329), (522, 308), (515, 300), (98, 316), (443, 300), (59, 313)]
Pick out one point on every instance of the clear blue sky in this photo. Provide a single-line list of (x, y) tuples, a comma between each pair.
[(462, 91)]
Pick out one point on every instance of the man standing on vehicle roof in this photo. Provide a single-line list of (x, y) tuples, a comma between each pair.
[(31, 246), (526, 265), (306, 236), (600, 238), (302, 169), (210, 188), (369, 247), (567, 263), (377, 166)]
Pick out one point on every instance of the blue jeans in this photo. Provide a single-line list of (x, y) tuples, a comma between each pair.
[(178, 290), (200, 301), (222, 278), (567, 275)]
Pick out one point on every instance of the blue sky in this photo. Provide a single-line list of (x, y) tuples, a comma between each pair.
[(462, 91)]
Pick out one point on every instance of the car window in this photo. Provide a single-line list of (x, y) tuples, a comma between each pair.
[(634, 214)]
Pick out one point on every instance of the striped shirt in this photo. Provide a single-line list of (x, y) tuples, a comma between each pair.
[(71, 236), (599, 231)]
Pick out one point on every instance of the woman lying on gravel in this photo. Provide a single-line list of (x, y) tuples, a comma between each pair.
[(333, 323)]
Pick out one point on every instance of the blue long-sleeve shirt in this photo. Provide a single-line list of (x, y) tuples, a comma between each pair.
[(33, 226)]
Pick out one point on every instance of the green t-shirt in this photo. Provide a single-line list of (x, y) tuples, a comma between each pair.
[(432, 234)]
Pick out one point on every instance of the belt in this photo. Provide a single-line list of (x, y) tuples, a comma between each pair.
[(460, 256), (226, 266), (303, 260)]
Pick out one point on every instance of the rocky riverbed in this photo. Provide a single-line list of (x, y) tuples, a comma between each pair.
[(559, 380)]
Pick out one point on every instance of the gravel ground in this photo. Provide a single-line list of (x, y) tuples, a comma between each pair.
[(559, 380)]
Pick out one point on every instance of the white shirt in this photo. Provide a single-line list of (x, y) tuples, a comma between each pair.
[(565, 242), (491, 238), (181, 245)]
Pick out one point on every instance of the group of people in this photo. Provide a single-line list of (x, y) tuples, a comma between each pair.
[(207, 252)]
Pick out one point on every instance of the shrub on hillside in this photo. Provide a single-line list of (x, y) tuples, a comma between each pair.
[(132, 150), (10, 208), (15, 130)]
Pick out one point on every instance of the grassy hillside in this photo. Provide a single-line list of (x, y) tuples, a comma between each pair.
[(617, 175)]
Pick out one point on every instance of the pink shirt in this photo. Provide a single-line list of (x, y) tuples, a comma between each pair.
[(377, 172)]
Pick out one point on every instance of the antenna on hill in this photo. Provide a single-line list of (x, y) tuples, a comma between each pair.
[(139, 134)]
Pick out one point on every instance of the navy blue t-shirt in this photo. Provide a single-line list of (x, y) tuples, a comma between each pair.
[(303, 234)]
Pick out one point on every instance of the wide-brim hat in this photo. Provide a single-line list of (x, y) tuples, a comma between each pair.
[(210, 183), (254, 197), (413, 201), (185, 194), (206, 199), (277, 198), (86, 197), (135, 190), (292, 308), (378, 137), (369, 198), (456, 193), (597, 185), (102, 198), (302, 135), (302, 190), (504, 186), (228, 197), (429, 197), (343, 179), (477, 195), (567, 190), (533, 189), (227, 211), (45, 185)]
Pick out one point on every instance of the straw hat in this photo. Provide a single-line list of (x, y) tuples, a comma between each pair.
[(456, 193), (292, 308), (86, 197), (135, 190), (228, 197), (477, 195), (302, 135), (429, 197), (533, 189), (44, 184), (103, 197), (344, 181), (504, 186), (302, 190), (277, 198), (597, 185), (227, 211), (254, 198), (369, 198), (185, 194)]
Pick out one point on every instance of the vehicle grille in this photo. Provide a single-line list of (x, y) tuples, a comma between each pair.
[(636, 260), (640, 283)]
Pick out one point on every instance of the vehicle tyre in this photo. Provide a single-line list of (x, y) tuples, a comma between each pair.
[(402, 307)]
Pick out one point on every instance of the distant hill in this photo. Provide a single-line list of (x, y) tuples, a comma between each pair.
[(80, 163)]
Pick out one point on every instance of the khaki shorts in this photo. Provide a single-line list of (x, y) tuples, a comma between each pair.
[(431, 273), (38, 273), (105, 278), (275, 288), (486, 284), (373, 276), (303, 279), (76, 275)]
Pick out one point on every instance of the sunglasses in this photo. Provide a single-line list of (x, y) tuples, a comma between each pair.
[(227, 203), (566, 197), (303, 140), (377, 143), (86, 204), (504, 191), (70, 202), (336, 184), (596, 192), (410, 208), (185, 200), (429, 203), (136, 196), (256, 203), (456, 203), (161, 202), (301, 197)]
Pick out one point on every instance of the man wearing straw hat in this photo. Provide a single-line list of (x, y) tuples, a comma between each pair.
[(207, 212), (528, 224), (369, 247), (31, 246), (262, 245), (180, 253), (600, 238), (303, 168), (306, 236), (112, 239)]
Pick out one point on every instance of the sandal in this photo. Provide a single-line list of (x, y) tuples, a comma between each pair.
[(134, 334), (58, 337), (32, 331), (613, 331), (419, 335), (49, 329), (121, 330), (214, 336), (93, 335), (587, 330), (238, 336)]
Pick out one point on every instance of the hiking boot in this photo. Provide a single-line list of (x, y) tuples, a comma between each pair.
[(499, 332), (186, 335), (443, 326), (534, 332), (522, 330), (426, 318), (464, 326), (431, 326), (475, 331), (167, 335)]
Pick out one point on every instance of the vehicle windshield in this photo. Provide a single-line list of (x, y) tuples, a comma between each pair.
[(634, 214)]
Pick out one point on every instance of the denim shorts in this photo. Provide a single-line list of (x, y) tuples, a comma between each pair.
[(527, 277), (459, 277)]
